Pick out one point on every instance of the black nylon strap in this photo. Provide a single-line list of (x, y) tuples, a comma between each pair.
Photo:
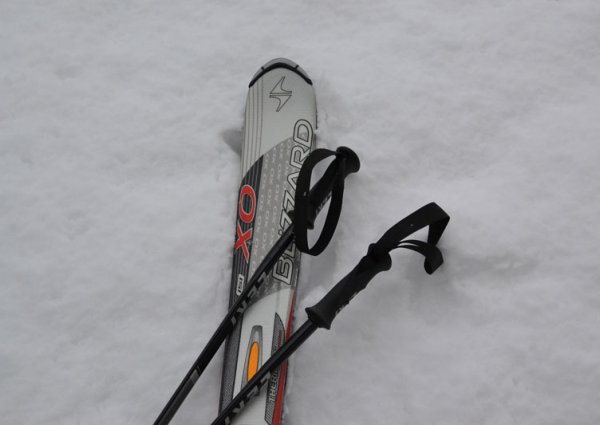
[(430, 215), (432, 254), (307, 203)]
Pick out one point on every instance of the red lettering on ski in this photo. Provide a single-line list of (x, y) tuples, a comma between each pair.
[(247, 216), (242, 241)]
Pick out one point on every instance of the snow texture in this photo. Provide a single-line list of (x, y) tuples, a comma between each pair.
[(119, 125)]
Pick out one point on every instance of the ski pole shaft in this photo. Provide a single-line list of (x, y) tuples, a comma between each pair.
[(224, 329), (261, 377)]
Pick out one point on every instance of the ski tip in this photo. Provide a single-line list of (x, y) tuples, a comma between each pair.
[(280, 63)]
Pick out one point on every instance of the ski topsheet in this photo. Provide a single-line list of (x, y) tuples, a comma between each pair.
[(279, 129)]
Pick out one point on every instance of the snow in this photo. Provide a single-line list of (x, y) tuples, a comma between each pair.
[(119, 124)]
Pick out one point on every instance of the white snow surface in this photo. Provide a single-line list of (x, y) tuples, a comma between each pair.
[(119, 126)]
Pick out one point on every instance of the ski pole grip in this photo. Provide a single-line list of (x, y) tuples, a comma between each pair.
[(323, 313), (378, 259)]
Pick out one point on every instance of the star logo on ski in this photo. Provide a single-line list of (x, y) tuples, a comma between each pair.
[(282, 95)]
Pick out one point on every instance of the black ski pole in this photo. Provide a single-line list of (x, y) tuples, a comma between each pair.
[(330, 185), (322, 314)]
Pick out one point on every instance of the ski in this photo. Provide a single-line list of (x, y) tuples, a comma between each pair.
[(279, 135)]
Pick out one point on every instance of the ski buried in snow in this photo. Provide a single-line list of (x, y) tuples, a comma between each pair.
[(279, 133)]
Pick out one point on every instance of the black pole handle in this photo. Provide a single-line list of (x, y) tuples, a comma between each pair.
[(323, 312), (378, 259)]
